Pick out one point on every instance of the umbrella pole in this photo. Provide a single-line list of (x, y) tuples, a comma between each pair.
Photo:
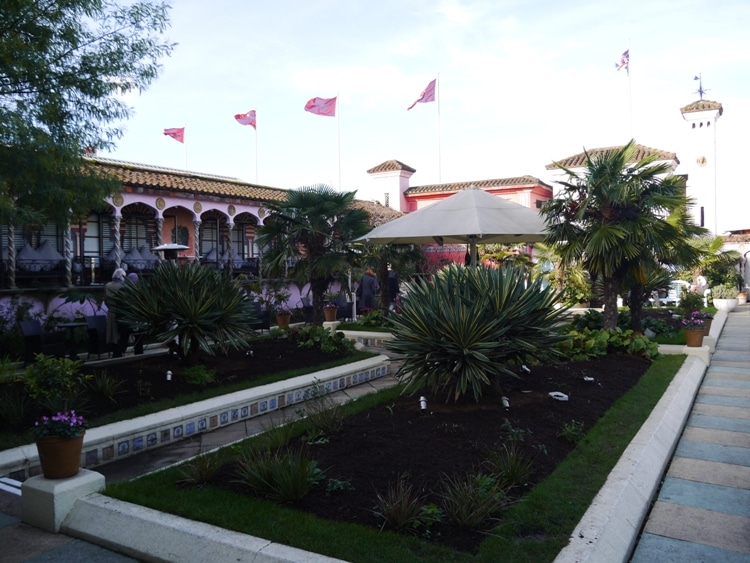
[(473, 250)]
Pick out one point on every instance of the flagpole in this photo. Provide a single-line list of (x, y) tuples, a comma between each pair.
[(630, 92), (338, 133), (440, 157)]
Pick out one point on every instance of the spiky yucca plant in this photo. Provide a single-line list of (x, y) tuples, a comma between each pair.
[(470, 324), (196, 306)]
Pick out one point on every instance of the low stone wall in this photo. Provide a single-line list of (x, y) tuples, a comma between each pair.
[(116, 441)]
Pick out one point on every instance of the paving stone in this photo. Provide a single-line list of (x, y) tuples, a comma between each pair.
[(715, 436), (726, 474), (714, 498), (652, 549), (713, 452)]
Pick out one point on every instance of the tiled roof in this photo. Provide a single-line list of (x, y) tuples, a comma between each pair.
[(702, 105), (154, 177), (579, 160), (379, 213), (390, 166), (520, 181)]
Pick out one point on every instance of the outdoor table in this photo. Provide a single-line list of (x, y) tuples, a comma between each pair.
[(70, 336)]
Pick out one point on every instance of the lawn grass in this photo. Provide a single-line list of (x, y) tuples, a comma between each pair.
[(535, 529), (357, 326)]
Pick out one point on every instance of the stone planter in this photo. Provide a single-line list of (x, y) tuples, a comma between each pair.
[(60, 458), (694, 337), (726, 304)]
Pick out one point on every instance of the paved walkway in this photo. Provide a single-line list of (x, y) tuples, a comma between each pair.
[(702, 512)]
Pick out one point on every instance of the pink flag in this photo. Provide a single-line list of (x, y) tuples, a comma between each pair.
[(322, 106), (246, 118), (177, 133), (428, 95)]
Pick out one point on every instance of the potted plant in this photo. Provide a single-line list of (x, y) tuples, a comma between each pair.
[(330, 310), (281, 308), (724, 297), (694, 331), (55, 384), (704, 316)]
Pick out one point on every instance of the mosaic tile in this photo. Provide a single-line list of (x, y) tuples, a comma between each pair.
[(224, 418), (235, 414), (177, 432), (108, 452), (202, 425), (92, 458), (123, 448), (254, 409), (263, 406), (138, 444), (189, 428), (272, 403), (297, 396), (165, 435), (282, 401), (151, 439), (213, 421), (244, 411)]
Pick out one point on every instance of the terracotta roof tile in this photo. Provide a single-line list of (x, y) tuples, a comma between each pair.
[(702, 105), (144, 176), (483, 184), (379, 213), (154, 177), (579, 160), (390, 166)]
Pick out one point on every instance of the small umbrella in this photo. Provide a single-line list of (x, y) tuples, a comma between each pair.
[(470, 217), (170, 250)]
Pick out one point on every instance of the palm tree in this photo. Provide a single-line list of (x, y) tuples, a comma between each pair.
[(611, 218), (313, 227)]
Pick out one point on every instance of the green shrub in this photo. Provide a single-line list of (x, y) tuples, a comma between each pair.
[(509, 466), (199, 375), (723, 292), (689, 302), (320, 411), (192, 308), (55, 384), (281, 476), (106, 385), (402, 509), (472, 501), (14, 405), (328, 341), (594, 319), (472, 324), (200, 470), (587, 344), (572, 431)]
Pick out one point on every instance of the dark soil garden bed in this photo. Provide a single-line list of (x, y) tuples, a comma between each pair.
[(376, 447)]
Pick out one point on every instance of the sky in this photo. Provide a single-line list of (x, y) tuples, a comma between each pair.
[(521, 83)]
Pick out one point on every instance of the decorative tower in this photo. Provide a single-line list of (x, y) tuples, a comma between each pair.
[(392, 181), (701, 116)]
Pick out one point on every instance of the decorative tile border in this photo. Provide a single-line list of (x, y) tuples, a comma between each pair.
[(106, 444)]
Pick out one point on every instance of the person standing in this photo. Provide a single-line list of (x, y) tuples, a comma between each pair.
[(368, 286), (393, 289), (117, 333), (137, 333)]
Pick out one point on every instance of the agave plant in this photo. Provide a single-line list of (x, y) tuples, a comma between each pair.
[(472, 324), (192, 307)]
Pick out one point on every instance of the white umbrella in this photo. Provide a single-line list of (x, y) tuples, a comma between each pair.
[(469, 217), (170, 249)]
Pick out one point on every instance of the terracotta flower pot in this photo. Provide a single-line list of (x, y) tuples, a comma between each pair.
[(59, 457), (283, 320), (694, 337), (707, 326), (330, 314)]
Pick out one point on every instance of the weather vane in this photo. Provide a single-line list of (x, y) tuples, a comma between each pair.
[(700, 90)]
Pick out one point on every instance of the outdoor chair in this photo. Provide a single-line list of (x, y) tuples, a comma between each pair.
[(36, 341), (344, 310), (97, 333), (307, 310)]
